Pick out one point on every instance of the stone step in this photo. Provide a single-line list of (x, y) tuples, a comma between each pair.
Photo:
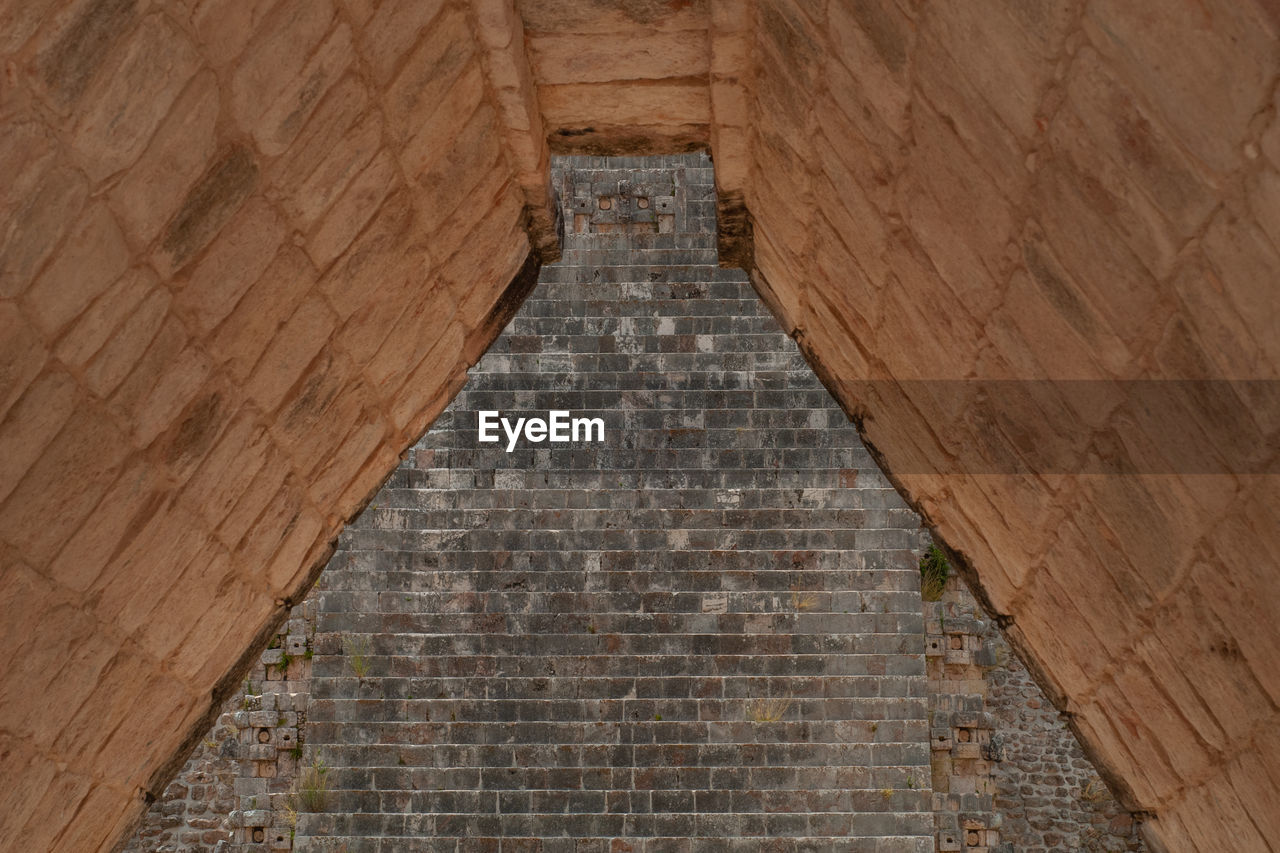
[(669, 378), (778, 429), (791, 594), (681, 474), (567, 604), (585, 306), (577, 663), (403, 496), (647, 402), (734, 569), (648, 539), (346, 686), (625, 329), (638, 287), (583, 365), (591, 518)]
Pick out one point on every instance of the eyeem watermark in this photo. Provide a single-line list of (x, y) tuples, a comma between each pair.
[(559, 427)]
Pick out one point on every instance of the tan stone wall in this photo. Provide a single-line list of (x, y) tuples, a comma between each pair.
[(244, 245), (1058, 191), (249, 248)]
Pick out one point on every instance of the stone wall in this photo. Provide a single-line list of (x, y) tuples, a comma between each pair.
[(998, 230), (701, 631), (194, 813), (1008, 775), (1006, 772), (241, 238), (241, 243), (239, 790)]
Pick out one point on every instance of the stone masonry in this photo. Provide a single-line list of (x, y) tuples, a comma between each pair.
[(1006, 773), (702, 633), (238, 791), (1008, 776), (249, 248)]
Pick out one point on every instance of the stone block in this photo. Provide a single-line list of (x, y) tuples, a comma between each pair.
[(332, 149), (95, 256), (74, 46), (44, 202), (294, 57), (136, 93), (393, 30), (289, 352), (353, 209), (263, 719), (1176, 66), (231, 267), (207, 207)]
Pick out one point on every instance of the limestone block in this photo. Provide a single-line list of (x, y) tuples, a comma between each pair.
[(75, 44), (255, 818), (207, 207), (1177, 66), (96, 255), (331, 150), (558, 58), (289, 67), (263, 719), (44, 202), (353, 209), (153, 66)]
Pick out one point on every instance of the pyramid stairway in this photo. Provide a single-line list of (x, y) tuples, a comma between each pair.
[(703, 633)]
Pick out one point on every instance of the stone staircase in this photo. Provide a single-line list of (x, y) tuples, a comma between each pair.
[(703, 633)]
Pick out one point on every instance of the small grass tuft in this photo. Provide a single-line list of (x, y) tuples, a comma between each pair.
[(803, 602), (313, 786), (934, 571), (768, 710), (358, 649)]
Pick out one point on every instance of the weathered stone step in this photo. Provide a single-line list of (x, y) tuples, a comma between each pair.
[(692, 308), (700, 341), (584, 366), (587, 688), (646, 539), (639, 519), (805, 589), (622, 329), (534, 663), (696, 629), (402, 609), (420, 635), (863, 715), (426, 497), (890, 562), (667, 477), (638, 287), (685, 377), (751, 413), (644, 404)]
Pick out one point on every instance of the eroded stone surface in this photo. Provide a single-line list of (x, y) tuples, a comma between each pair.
[(1079, 194)]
